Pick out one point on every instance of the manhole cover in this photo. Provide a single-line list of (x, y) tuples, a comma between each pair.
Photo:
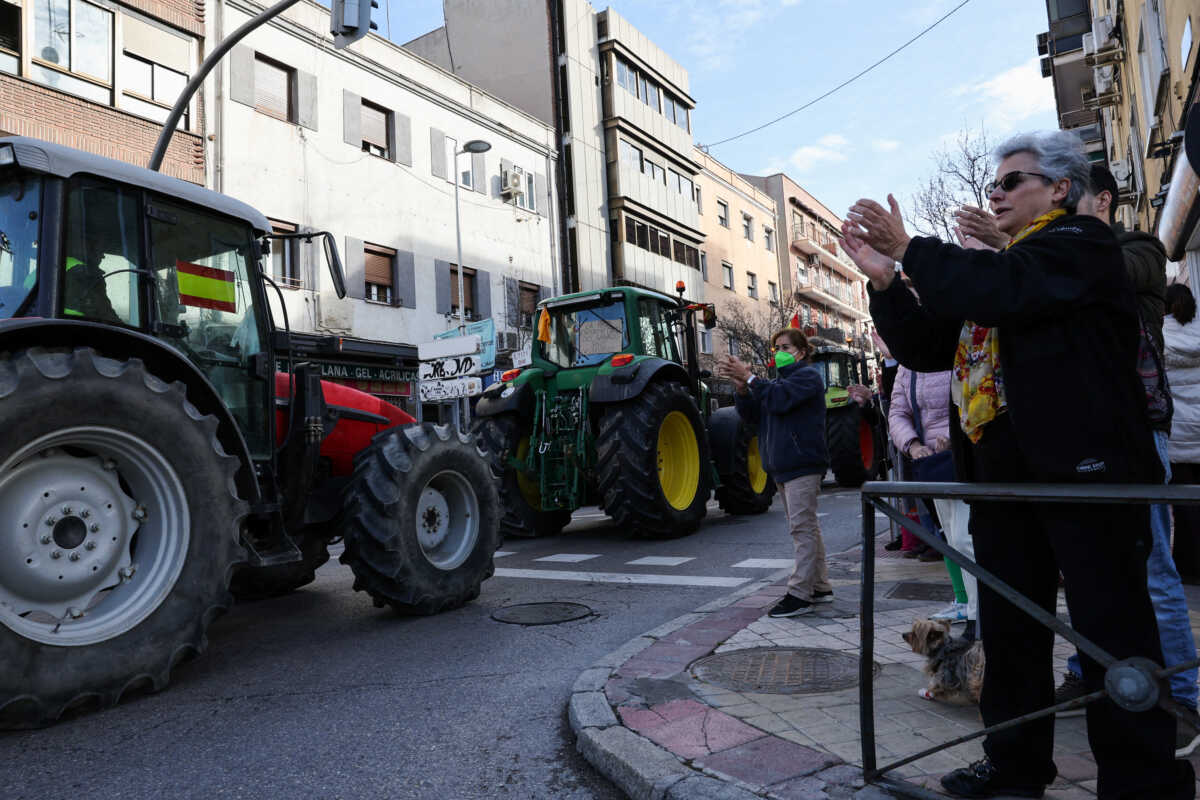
[(780, 670), (918, 590), (541, 613)]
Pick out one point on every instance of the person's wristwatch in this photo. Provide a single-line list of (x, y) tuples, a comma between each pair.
[(751, 379)]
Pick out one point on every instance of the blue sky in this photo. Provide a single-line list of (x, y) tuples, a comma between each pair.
[(753, 60)]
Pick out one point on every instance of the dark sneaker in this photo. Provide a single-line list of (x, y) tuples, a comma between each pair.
[(1072, 688), (790, 606), (823, 597), (1187, 733), (981, 779)]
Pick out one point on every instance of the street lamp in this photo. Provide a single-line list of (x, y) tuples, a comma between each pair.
[(473, 146)]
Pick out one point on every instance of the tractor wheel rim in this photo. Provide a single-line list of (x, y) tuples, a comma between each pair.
[(98, 527), (447, 520), (530, 489), (678, 460), (754, 467)]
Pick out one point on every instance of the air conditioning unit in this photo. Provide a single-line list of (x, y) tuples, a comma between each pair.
[(1124, 175), (1102, 32), (506, 342), (513, 184), (1043, 43), (1103, 77), (1089, 44), (1100, 46)]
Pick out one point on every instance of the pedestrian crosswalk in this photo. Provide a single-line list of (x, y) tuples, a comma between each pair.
[(631, 577)]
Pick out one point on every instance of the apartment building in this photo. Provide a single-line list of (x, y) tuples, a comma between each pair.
[(739, 266), (101, 76), (1133, 73), (367, 143), (813, 267), (622, 113)]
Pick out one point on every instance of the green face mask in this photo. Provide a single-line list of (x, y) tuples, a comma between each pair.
[(784, 359)]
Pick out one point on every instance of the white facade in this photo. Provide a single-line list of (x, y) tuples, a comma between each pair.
[(311, 170)]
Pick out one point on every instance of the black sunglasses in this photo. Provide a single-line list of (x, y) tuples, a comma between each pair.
[(1012, 180)]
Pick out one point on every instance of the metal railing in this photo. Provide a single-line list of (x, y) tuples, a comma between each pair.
[(1133, 684)]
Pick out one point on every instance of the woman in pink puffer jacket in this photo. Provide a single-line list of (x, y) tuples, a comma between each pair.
[(932, 397)]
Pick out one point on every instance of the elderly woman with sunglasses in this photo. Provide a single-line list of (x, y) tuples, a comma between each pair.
[(1041, 337)]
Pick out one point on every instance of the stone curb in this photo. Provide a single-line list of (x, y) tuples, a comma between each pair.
[(643, 769)]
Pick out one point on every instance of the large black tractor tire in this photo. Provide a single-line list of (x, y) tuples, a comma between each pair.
[(421, 519), (503, 437), (122, 529), (653, 463), (853, 453), (748, 489), (260, 583)]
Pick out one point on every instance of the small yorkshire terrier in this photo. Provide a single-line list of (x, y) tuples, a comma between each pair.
[(954, 666)]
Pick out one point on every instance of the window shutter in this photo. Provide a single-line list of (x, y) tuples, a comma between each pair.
[(401, 144), (373, 122), (377, 268), (352, 119), (483, 294), (479, 172), (405, 291), (272, 90), (241, 75), (356, 285), (437, 152), (441, 279), (540, 203), (306, 100), (512, 302)]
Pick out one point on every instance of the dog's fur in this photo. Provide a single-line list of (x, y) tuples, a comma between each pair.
[(954, 666)]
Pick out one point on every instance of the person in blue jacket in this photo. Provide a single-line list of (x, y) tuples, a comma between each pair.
[(790, 414)]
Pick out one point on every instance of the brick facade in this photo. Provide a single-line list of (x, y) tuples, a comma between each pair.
[(30, 109), (187, 15)]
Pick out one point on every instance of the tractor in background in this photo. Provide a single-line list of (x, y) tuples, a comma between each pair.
[(613, 410), (854, 434)]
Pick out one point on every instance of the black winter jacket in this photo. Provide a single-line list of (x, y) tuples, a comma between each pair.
[(790, 414), (1065, 312), (1146, 263)]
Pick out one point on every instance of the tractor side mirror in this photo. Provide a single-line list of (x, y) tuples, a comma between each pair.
[(334, 261), (710, 317)]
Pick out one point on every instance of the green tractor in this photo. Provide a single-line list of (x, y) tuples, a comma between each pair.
[(613, 411), (853, 433)]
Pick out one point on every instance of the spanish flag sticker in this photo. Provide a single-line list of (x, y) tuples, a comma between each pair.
[(206, 287)]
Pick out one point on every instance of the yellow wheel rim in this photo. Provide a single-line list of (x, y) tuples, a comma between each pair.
[(754, 467), (678, 460), (531, 490)]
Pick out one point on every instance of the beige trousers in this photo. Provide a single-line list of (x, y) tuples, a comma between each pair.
[(800, 505)]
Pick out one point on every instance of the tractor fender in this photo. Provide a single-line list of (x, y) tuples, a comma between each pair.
[(722, 439), (626, 383), (161, 360), (503, 398)]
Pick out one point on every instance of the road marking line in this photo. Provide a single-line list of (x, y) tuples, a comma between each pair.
[(620, 577), (764, 563), (660, 561), (503, 553), (823, 513), (569, 558)]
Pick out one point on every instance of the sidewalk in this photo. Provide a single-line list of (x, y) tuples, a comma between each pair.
[(770, 723)]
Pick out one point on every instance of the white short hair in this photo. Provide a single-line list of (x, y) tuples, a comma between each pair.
[(1059, 154)]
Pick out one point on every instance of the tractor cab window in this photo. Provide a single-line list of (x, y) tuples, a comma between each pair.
[(658, 338), (20, 208), (206, 308), (582, 336), (101, 267), (834, 372)]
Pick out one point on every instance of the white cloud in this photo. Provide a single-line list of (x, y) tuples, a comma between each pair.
[(1009, 97), (717, 29), (885, 145), (830, 148)]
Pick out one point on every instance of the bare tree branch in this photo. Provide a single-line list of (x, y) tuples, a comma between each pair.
[(960, 173), (752, 324)]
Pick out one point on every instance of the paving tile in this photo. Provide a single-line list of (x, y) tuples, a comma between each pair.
[(769, 723), (1075, 768), (769, 760), (809, 788), (701, 734)]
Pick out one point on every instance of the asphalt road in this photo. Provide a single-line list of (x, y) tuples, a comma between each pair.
[(320, 695)]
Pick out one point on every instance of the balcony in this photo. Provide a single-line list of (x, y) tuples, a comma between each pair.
[(828, 249), (807, 289)]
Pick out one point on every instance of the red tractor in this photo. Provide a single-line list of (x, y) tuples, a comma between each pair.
[(155, 463)]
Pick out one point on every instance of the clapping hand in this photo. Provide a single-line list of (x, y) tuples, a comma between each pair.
[(977, 224), (882, 229), (736, 370), (879, 268)]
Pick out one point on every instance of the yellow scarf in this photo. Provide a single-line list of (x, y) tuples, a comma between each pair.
[(978, 385)]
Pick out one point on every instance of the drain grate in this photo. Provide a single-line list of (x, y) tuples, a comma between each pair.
[(919, 590), (541, 613), (779, 670)]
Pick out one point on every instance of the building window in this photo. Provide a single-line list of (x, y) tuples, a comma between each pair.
[(468, 290), (285, 265), (656, 173), (466, 177), (377, 266), (699, 204), (723, 213), (150, 89), (769, 239), (748, 227), (529, 299), (706, 342), (727, 275), (72, 48), (704, 265), (273, 89), (10, 38), (526, 198), (374, 122), (630, 155), (752, 285), (734, 350), (773, 292)]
